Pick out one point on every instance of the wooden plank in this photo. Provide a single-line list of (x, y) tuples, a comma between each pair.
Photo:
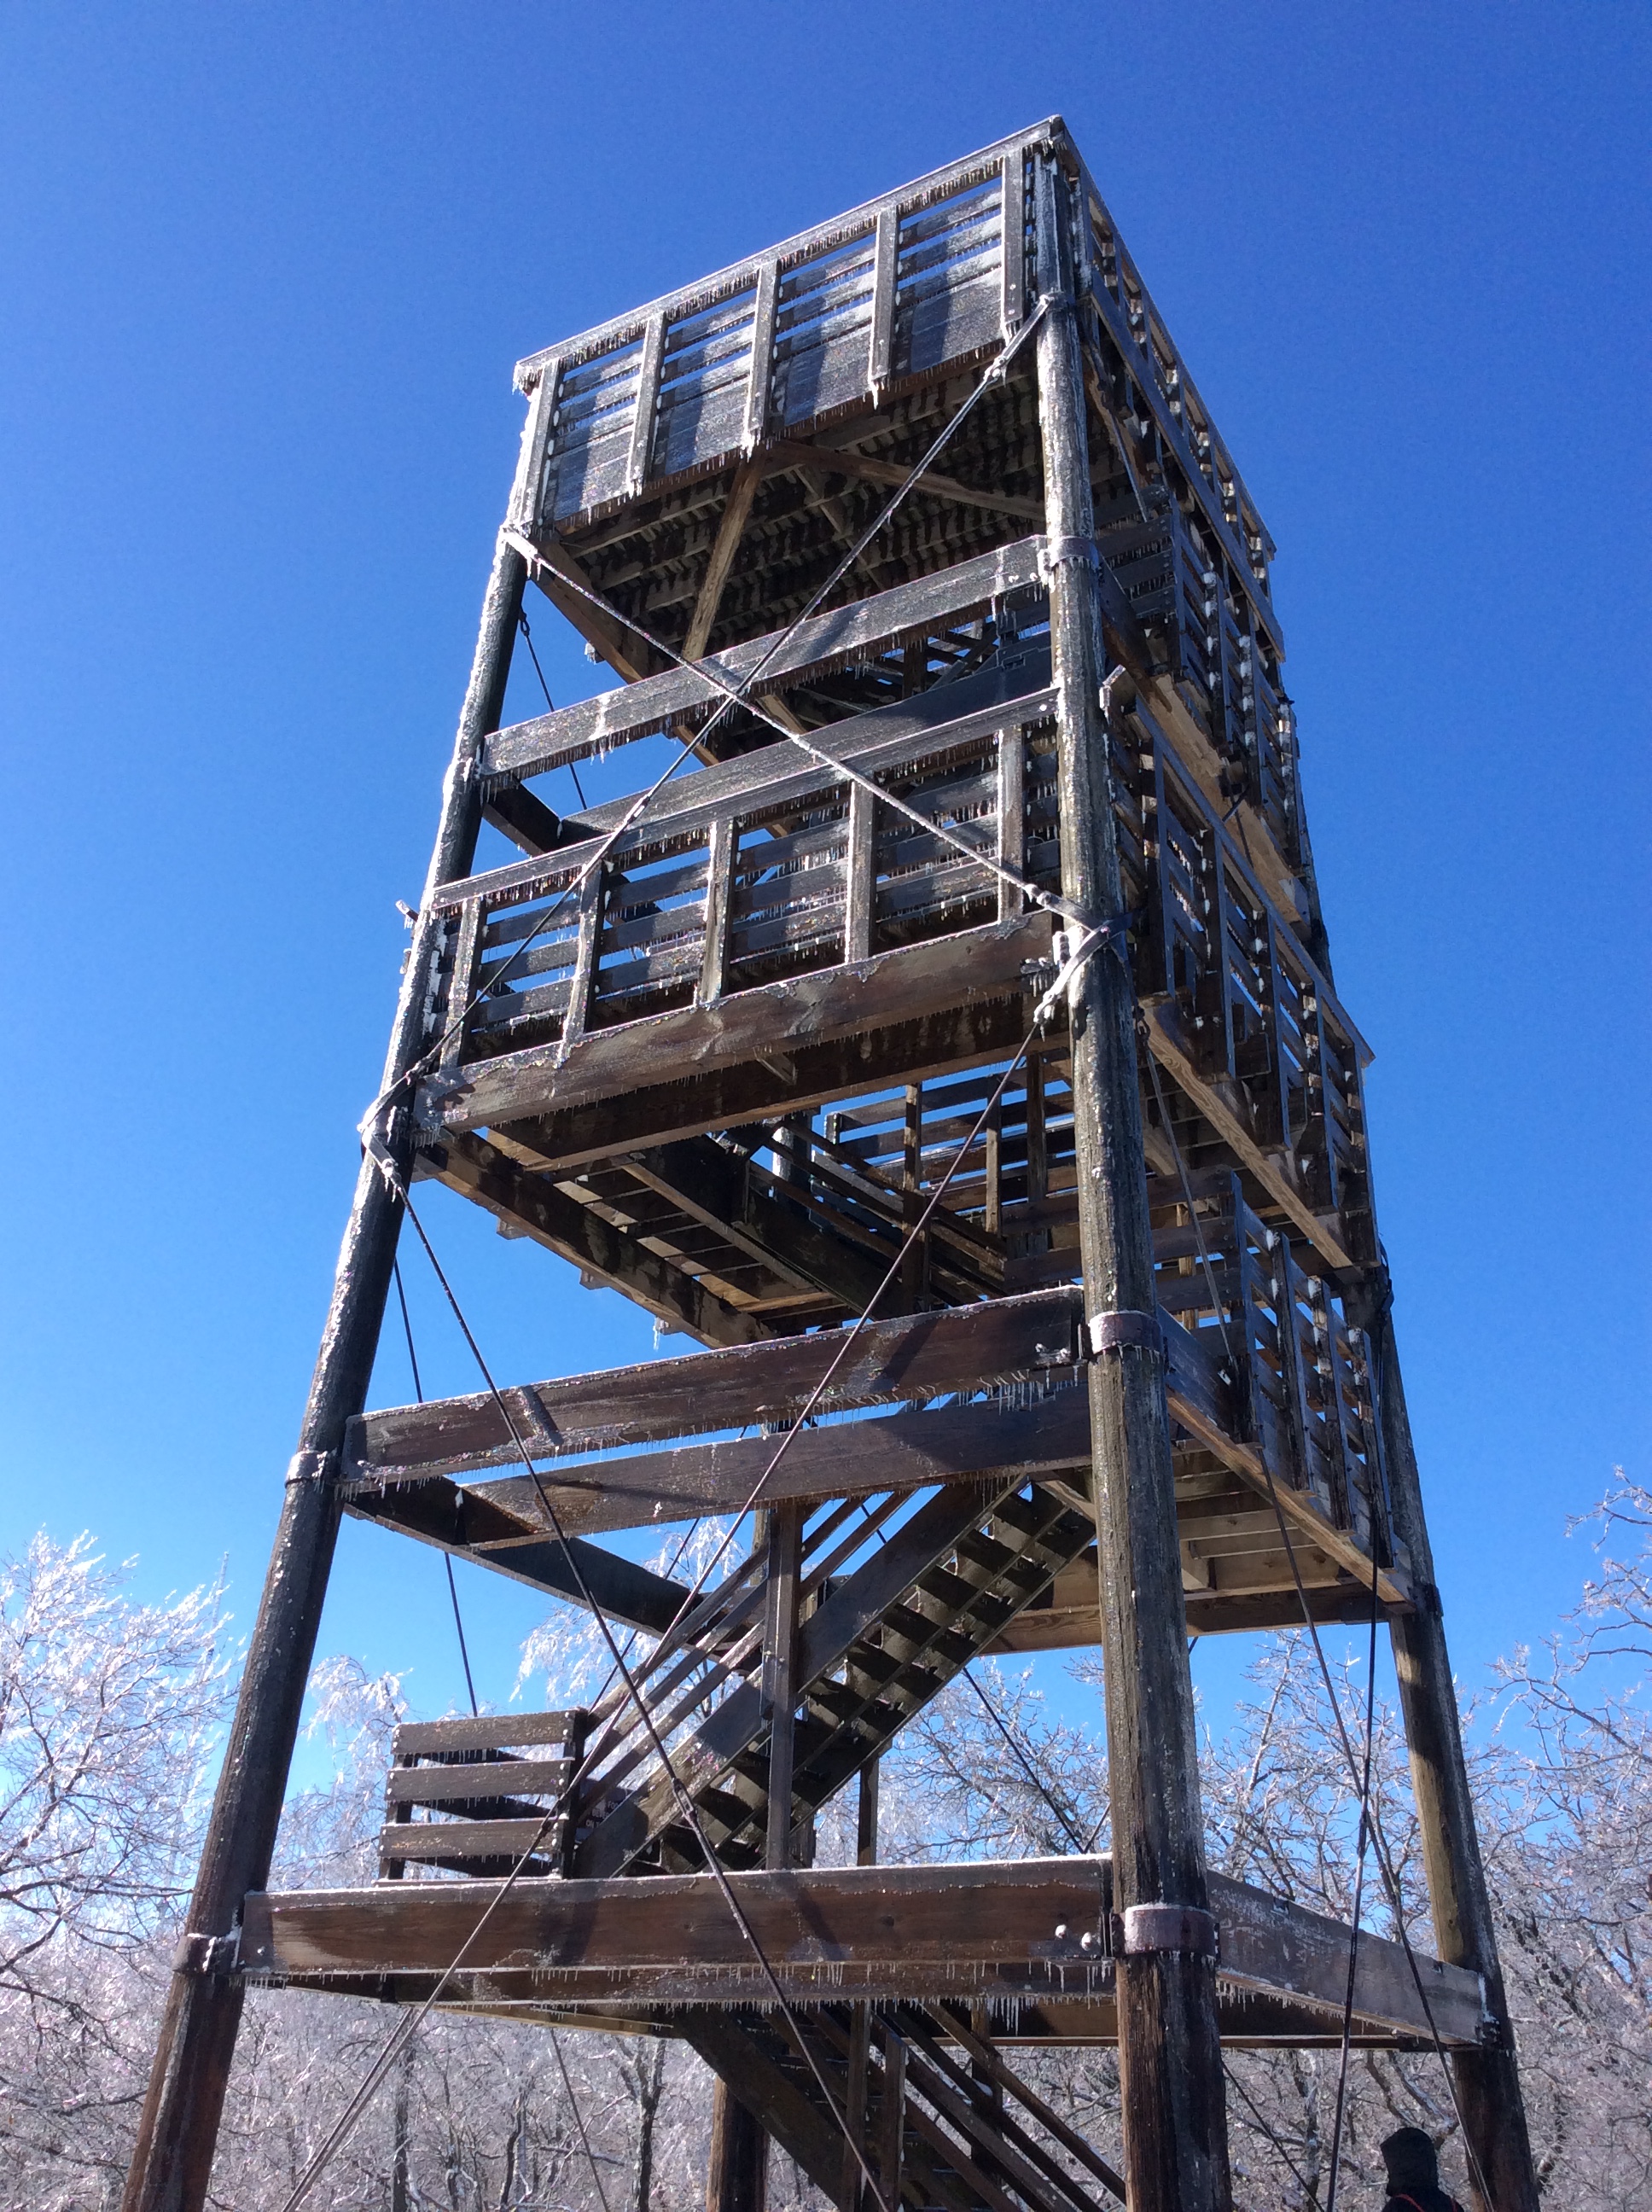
[(527, 491), (880, 364), (719, 880), (482, 1732), (760, 371), (936, 185), (773, 784), (533, 1206), (908, 1359), (844, 1001), (845, 634), (526, 821), (945, 1931), (438, 1513), (1012, 219), (823, 456), (648, 401), (802, 1077), (502, 1778), (782, 1536), (974, 1443), (726, 543), (445, 1840), (859, 876)]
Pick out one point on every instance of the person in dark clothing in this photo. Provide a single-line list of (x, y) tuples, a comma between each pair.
[(1413, 2168)]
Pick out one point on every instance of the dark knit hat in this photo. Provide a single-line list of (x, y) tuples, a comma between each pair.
[(1411, 2158)]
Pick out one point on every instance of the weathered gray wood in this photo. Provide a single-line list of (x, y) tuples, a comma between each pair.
[(880, 365), (647, 398), (1169, 2053), (846, 633), (724, 546), (1012, 217), (446, 1842), (1488, 2078), (529, 823), (782, 1537), (714, 1188), (482, 1732), (896, 1451), (881, 1932), (762, 367), (533, 1206), (779, 781), (857, 222), (916, 1356), (176, 2132), (904, 985), (440, 1785)]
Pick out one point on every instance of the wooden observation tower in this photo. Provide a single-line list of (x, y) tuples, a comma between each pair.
[(949, 1045)]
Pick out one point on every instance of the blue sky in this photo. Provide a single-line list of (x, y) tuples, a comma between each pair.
[(265, 272)]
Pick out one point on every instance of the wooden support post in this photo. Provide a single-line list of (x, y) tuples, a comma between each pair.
[(783, 1542), (177, 2129), (891, 2118), (855, 2103), (737, 2173), (866, 1854), (1488, 2080), (1170, 2056)]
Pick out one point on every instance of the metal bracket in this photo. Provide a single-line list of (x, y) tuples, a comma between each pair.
[(1111, 1332), (1057, 551), (305, 1466), (208, 1954), (1140, 1931)]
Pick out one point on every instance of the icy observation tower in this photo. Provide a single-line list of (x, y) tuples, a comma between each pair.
[(951, 1046)]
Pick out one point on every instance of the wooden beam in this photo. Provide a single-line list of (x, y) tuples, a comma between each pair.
[(724, 546), (916, 1356), (526, 821), (848, 463), (845, 634), (629, 655), (901, 986), (1169, 2047), (715, 1187), (457, 1521), (776, 781), (532, 1204), (177, 2129), (987, 1929), (946, 1041)]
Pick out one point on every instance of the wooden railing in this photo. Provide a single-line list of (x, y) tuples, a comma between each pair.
[(783, 871), (897, 289), (487, 1793)]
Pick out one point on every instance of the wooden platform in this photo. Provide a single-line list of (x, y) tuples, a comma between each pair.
[(1025, 1935)]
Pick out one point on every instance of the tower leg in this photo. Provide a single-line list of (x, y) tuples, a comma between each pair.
[(1169, 2056), (1488, 2080), (737, 2174), (178, 2127)]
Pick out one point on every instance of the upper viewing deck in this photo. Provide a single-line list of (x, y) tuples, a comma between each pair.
[(715, 1041)]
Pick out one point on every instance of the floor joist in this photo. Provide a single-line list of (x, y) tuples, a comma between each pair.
[(1033, 1929)]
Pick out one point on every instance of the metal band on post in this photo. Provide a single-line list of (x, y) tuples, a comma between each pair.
[(1111, 1332), (1059, 550), (199, 1955), (311, 1466), (1140, 1931)]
